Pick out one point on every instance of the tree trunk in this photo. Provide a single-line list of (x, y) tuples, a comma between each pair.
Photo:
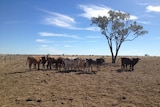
[(113, 56), (113, 59)]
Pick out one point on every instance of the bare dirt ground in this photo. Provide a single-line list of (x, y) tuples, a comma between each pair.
[(20, 87)]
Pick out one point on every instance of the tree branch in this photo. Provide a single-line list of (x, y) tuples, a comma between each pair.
[(132, 38)]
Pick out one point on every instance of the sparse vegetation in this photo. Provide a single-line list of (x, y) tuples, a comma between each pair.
[(107, 88)]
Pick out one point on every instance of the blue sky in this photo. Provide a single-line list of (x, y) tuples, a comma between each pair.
[(64, 27)]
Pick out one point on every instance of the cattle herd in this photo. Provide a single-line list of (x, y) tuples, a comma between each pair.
[(75, 63)]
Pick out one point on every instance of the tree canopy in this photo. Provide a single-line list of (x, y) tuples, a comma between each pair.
[(118, 27)]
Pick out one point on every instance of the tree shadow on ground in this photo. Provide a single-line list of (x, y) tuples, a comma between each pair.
[(112, 65)]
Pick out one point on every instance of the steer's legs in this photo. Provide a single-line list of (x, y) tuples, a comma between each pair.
[(38, 66), (123, 67), (30, 65)]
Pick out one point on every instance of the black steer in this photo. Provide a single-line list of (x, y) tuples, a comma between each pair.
[(97, 62), (127, 61)]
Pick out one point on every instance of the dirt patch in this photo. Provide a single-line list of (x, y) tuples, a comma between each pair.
[(106, 88)]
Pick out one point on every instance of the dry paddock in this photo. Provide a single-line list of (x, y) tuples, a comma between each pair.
[(109, 87)]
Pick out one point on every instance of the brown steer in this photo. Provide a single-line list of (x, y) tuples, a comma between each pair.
[(35, 60)]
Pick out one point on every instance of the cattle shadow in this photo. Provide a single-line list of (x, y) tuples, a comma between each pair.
[(84, 72), (17, 72), (121, 70), (78, 72), (66, 71)]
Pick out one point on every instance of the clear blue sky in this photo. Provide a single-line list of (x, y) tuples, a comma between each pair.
[(63, 26)]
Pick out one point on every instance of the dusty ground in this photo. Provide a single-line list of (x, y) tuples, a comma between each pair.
[(20, 87)]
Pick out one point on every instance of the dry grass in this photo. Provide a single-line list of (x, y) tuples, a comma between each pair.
[(20, 87)]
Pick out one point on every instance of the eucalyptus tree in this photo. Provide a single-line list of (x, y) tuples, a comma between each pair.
[(118, 27)]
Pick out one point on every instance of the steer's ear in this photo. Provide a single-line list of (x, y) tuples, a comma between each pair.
[(139, 59)]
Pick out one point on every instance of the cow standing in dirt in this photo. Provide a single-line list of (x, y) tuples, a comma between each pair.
[(129, 61), (50, 62), (71, 63), (35, 60), (59, 63), (81, 64), (90, 62)]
